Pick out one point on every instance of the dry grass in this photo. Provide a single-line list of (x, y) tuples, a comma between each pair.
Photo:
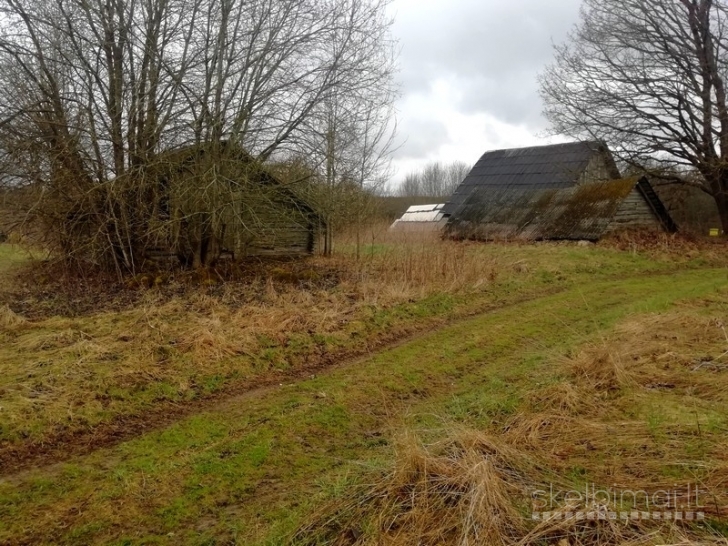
[(70, 360), (457, 492), (644, 409), (9, 319), (191, 335), (657, 243), (416, 263), (563, 398), (591, 414), (473, 489), (681, 350)]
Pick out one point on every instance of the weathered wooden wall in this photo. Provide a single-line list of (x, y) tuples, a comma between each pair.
[(597, 170), (272, 235), (633, 212), (267, 225), (248, 220)]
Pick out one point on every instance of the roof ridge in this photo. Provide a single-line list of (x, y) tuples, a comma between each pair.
[(545, 146)]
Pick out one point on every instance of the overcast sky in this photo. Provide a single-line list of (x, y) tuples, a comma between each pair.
[(468, 73)]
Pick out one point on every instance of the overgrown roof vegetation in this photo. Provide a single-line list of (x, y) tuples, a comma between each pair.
[(562, 191), (87, 124), (648, 78)]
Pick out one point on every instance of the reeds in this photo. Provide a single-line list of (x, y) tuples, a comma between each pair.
[(415, 264)]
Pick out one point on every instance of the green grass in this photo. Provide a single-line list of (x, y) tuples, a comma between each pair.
[(63, 375), (10, 257), (255, 467)]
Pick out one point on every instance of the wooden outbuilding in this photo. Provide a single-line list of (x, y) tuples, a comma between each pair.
[(218, 200), (569, 191)]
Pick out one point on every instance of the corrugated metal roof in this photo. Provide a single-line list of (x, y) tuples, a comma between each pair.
[(556, 166), (577, 212)]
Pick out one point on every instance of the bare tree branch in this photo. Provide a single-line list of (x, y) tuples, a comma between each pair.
[(648, 77)]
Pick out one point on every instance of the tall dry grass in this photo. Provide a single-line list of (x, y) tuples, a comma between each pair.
[(415, 264), (458, 492), (173, 333), (637, 411), (472, 489)]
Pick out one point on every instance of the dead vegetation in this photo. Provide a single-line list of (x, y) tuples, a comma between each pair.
[(9, 319), (657, 243), (81, 352), (472, 489), (383, 268), (642, 410), (606, 412), (456, 492), (76, 356)]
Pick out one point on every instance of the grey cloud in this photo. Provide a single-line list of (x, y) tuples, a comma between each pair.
[(422, 135), (494, 49), (510, 98)]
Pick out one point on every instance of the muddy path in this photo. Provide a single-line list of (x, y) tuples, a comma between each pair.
[(65, 445)]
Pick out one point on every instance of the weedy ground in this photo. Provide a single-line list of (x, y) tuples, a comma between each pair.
[(236, 413)]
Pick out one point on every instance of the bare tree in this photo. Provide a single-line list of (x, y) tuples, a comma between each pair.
[(352, 132), (436, 180), (648, 77), (95, 93)]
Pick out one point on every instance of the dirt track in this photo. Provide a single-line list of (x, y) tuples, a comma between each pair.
[(15, 459)]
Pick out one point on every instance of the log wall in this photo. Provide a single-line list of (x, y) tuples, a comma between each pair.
[(634, 211)]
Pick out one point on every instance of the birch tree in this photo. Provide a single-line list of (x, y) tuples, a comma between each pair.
[(352, 131)]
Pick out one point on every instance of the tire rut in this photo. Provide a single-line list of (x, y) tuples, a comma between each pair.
[(17, 459)]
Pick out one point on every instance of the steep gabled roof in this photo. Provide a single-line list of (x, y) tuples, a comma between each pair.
[(240, 164), (551, 167), (576, 212)]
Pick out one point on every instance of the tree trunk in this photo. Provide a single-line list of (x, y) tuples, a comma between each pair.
[(328, 237), (721, 201), (207, 247), (718, 184)]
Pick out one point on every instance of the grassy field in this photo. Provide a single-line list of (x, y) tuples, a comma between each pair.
[(276, 413), (11, 256)]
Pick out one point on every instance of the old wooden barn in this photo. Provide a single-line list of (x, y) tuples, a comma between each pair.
[(219, 200), (562, 191)]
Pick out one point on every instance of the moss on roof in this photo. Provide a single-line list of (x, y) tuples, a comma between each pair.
[(578, 212)]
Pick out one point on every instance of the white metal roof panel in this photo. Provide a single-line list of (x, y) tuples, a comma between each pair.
[(425, 208), (423, 213)]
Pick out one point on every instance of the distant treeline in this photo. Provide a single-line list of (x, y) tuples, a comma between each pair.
[(436, 179)]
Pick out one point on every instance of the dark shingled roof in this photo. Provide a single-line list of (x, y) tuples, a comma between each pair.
[(539, 167), (534, 193)]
